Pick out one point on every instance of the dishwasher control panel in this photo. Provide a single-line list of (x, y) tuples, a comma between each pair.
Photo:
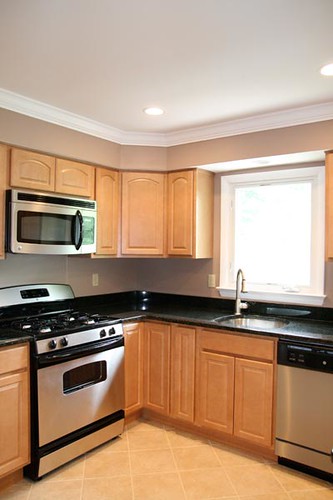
[(304, 355)]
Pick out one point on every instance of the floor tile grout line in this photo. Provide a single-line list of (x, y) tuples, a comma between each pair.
[(130, 465), (223, 467), (177, 468)]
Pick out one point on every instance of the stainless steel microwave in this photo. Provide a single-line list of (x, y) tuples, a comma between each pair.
[(47, 224)]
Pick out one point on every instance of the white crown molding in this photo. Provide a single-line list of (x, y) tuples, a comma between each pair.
[(267, 121)]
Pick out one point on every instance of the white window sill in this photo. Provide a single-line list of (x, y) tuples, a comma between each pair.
[(283, 297)]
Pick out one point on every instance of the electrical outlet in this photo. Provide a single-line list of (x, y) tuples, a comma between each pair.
[(95, 279), (211, 281)]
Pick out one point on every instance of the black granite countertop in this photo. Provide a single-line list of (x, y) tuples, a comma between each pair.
[(8, 338), (302, 323)]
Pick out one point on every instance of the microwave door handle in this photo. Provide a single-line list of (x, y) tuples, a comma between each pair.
[(77, 230)]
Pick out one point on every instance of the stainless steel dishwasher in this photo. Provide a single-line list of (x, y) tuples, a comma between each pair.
[(304, 425)]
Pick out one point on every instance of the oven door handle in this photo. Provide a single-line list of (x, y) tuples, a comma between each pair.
[(77, 230), (63, 355)]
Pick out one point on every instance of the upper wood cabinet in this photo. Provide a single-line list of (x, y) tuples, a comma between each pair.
[(190, 213), (143, 213), (74, 178), (329, 205), (32, 170), (14, 401), (107, 197)]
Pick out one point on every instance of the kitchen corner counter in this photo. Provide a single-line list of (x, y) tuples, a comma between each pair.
[(204, 314), (302, 324), (8, 338)]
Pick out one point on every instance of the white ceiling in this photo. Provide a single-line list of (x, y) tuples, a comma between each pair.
[(217, 67)]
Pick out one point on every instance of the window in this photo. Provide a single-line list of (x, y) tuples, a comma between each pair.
[(272, 227)]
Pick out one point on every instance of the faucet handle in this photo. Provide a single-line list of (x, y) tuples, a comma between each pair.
[(243, 305)]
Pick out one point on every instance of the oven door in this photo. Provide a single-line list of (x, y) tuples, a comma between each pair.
[(76, 393)]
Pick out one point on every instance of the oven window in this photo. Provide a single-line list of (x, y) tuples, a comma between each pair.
[(83, 376)]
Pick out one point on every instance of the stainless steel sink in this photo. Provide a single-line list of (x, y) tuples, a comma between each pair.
[(255, 322)]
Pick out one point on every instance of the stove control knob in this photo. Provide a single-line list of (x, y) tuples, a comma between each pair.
[(112, 331), (64, 342), (52, 344), (102, 333)]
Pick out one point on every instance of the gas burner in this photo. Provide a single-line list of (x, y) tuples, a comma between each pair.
[(69, 321)]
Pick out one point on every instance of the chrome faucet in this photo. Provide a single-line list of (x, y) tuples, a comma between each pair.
[(240, 287)]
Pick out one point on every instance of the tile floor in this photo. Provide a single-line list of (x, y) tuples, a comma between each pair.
[(151, 461)]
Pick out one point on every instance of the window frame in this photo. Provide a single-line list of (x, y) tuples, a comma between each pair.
[(313, 295)]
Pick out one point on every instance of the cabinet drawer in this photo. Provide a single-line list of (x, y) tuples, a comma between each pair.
[(13, 358), (239, 345)]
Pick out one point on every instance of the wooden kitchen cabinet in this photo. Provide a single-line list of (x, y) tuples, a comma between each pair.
[(235, 385), (143, 213), (74, 178), (107, 197), (133, 333), (215, 391), (30, 170), (254, 401), (15, 409), (156, 367), (190, 213), (36, 171), (182, 372)]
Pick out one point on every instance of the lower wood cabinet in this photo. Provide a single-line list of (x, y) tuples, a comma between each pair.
[(156, 367), (210, 379), (253, 401), (234, 394), (182, 372), (15, 409), (215, 391), (133, 333)]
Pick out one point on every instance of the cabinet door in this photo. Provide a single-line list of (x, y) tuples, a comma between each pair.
[(107, 198), (143, 216), (74, 178), (133, 367), (254, 401), (14, 422), (182, 372), (156, 367), (215, 391), (180, 212), (32, 170)]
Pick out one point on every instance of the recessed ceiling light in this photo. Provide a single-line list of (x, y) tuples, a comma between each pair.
[(327, 70), (154, 111)]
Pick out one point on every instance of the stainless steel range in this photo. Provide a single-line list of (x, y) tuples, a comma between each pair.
[(77, 373)]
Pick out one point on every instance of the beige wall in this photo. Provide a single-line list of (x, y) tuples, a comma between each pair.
[(20, 130), (115, 275), (143, 158), (182, 276), (312, 137)]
